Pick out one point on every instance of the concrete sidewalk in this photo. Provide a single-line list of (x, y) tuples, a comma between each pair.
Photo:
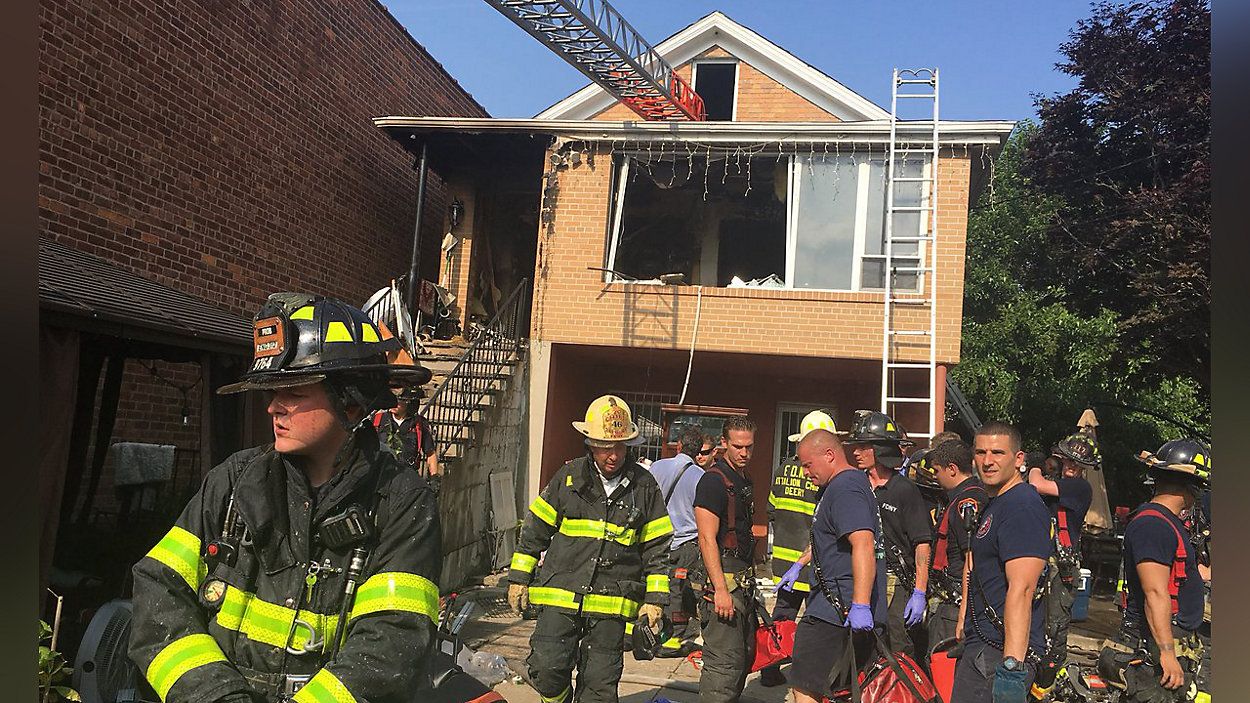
[(496, 629)]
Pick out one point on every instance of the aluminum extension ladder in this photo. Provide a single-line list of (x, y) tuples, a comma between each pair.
[(899, 337)]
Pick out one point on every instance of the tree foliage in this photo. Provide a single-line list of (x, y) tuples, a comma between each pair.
[(1125, 156)]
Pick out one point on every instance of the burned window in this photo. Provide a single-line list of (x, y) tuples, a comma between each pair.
[(713, 221), (715, 83)]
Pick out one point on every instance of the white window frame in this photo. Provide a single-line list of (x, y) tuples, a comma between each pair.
[(794, 176), (779, 435), (694, 79)]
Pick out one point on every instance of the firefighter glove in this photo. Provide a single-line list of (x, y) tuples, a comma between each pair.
[(859, 617), (518, 596), (914, 612), (653, 613), (790, 577)]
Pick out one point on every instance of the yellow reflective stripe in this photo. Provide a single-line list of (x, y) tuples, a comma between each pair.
[(560, 698), (180, 551), (523, 562), (590, 603), (325, 687), (657, 583), (786, 554), (304, 313), (543, 511), (182, 655), (793, 505), (269, 623), (802, 587), (368, 333), (397, 590), (658, 527), (671, 643), (337, 332), (598, 529)]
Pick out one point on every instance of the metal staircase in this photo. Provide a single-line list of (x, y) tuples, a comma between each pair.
[(910, 253), (596, 40), (470, 374)]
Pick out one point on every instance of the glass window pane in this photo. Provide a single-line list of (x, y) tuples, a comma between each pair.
[(825, 223)]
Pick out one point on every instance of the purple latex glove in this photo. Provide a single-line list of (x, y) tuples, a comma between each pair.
[(914, 612), (859, 618), (791, 575)]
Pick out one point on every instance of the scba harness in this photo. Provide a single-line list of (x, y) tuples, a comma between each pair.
[(1179, 572)]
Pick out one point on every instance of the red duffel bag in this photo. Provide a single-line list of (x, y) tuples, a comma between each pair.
[(893, 678), (774, 643)]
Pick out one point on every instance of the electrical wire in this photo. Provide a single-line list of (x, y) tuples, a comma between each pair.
[(694, 335)]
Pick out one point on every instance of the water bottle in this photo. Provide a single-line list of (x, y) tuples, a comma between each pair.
[(487, 667), (1080, 605)]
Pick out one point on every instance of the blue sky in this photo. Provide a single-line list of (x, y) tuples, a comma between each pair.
[(993, 55)]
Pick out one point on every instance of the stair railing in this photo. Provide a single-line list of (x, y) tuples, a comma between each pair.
[(450, 409)]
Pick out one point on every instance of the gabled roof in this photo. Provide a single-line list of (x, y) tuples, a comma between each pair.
[(717, 29)]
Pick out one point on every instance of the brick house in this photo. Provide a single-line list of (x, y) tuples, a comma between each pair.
[(783, 186), (193, 158)]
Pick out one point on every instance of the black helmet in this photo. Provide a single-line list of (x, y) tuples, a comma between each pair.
[(1079, 448), (921, 471), (302, 339), (1187, 458), (646, 642), (873, 426)]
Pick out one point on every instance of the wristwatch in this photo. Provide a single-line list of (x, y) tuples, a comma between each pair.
[(1012, 664)]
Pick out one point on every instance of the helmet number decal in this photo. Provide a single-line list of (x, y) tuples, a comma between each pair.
[(269, 335)]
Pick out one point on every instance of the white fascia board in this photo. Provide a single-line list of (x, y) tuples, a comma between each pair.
[(952, 132), (778, 64)]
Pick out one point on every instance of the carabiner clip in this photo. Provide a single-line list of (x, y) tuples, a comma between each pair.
[(314, 642)]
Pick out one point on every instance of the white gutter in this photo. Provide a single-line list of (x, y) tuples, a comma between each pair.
[(953, 132)]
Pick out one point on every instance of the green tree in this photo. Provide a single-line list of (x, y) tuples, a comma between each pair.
[(1125, 159), (1037, 353)]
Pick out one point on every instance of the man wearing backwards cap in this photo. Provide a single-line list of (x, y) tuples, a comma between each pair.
[(791, 504), (602, 521), (303, 570)]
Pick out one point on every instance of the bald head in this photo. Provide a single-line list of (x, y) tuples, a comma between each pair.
[(821, 456)]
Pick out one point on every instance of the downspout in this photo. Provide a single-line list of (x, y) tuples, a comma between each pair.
[(413, 276)]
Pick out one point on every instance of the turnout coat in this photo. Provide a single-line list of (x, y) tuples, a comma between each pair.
[(201, 633)]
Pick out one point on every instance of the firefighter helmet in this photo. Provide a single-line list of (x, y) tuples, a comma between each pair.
[(1189, 458), (872, 426), (608, 421), (1080, 449), (302, 339), (815, 420), (922, 471)]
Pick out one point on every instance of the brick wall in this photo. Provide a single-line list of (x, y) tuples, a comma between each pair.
[(572, 305), (760, 98), (225, 148)]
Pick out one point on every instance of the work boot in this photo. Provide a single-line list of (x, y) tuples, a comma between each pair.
[(771, 676)]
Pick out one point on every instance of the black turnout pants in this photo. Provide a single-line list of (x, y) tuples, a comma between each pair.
[(728, 648), (563, 641)]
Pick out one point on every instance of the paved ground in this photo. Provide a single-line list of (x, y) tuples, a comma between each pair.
[(496, 629)]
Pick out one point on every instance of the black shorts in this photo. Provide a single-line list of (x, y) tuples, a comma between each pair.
[(818, 648)]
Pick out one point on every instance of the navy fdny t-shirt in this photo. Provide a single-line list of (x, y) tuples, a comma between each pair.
[(1075, 496), (1015, 524), (845, 505), (1148, 538)]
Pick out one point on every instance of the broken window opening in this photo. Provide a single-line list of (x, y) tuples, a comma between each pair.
[(716, 82), (712, 221)]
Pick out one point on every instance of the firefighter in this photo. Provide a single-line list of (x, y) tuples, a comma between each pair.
[(602, 522), (791, 504), (1155, 657), (950, 464), (875, 445), (406, 432), (305, 569), (1067, 495)]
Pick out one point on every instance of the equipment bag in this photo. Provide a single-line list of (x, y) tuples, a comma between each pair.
[(893, 678), (774, 640)]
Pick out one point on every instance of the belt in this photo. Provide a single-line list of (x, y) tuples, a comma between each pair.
[(285, 685)]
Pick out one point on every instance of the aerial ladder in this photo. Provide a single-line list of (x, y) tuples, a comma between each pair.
[(596, 40)]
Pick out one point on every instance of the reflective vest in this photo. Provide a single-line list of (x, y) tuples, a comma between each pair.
[(793, 502)]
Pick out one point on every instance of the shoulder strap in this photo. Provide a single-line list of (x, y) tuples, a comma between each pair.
[(940, 562), (668, 494), (834, 600), (1181, 552), (377, 419), (731, 531), (1065, 538), (1179, 566)]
